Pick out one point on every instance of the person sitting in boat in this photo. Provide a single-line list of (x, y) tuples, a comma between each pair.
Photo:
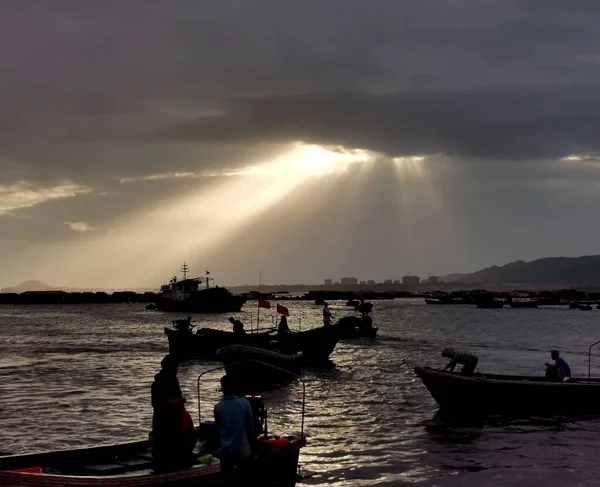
[(238, 327), (326, 315), (183, 325), (234, 417), (467, 360), (559, 370), (173, 441)]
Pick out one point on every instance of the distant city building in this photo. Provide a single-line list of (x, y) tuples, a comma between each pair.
[(349, 281), (336, 283), (411, 280), (363, 283), (433, 280), (387, 281), (328, 282), (396, 281), (371, 282)]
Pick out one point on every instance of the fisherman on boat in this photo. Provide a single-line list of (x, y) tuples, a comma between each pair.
[(283, 330), (172, 434), (233, 415), (467, 360), (559, 370), (326, 314), (183, 325), (238, 328)]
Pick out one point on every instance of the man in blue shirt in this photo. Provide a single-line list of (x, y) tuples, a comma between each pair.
[(233, 415), (559, 370)]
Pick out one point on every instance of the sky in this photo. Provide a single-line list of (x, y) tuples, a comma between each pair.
[(307, 140)]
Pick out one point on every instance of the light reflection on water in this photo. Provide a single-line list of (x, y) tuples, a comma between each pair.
[(80, 375)]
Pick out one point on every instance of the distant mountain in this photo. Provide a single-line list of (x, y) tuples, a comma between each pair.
[(28, 286), (549, 270), (40, 286)]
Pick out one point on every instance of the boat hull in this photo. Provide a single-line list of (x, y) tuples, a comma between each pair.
[(352, 327), (247, 366), (231, 304), (316, 345), (510, 395)]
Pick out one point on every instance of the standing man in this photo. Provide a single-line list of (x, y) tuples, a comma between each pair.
[(233, 415), (173, 445), (326, 314)]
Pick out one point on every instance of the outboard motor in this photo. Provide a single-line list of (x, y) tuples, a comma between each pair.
[(259, 413)]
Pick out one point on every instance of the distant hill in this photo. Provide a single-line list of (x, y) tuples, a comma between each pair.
[(28, 286), (40, 286), (549, 270), (452, 277)]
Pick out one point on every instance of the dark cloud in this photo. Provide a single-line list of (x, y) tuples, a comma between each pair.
[(487, 123), (95, 92)]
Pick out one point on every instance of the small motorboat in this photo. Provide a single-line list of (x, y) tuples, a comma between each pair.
[(130, 464), (364, 308), (352, 302), (512, 395), (355, 327), (584, 307), (151, 307), (247, 364)]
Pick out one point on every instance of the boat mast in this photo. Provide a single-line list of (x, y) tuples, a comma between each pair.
[(185, 269)]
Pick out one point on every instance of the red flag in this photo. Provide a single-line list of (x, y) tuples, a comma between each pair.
[(282, 310), (263, 303)]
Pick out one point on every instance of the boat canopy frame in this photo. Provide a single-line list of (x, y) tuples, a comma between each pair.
[(222, 367)]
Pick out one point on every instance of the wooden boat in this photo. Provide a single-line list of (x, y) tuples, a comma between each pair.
[(492, 394), (316, 345), (354, 327), (352, 302), (247, 364), (130, 464)]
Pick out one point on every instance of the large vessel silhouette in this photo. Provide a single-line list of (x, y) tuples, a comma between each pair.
[(187, 296)]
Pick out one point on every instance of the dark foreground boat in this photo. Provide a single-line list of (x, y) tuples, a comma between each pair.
[(355, 327), (130, 464), (491, 394), (259, 369), (316, 345)]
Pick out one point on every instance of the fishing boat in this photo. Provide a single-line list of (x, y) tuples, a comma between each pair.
[(495, 394), (130, 464), (187, 296), (246, 364), (355, 327), (316, 345)]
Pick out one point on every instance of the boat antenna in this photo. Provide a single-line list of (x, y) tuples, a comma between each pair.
[(185, 269)]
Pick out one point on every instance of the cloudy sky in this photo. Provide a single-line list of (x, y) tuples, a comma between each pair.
[(307, 139)]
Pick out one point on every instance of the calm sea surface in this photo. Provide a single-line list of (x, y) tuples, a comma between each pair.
[(73, 376)]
